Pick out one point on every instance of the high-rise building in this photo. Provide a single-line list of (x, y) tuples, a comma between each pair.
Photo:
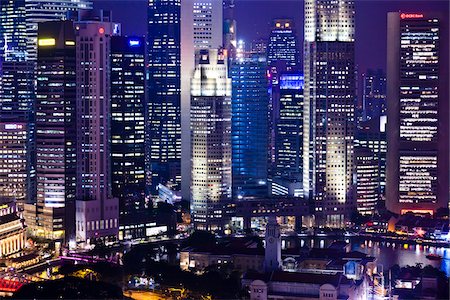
[(14, 162), (417, 128), (13, 36), (164, 106), (373, 95), (19, 21), (17, 95), (249, 104), (289, 129), (229, 29), (370, 157), (210, 140), (55, 132), (201, 28), (128, 122), (329, 110), (96, 211), (283, 45), (38, 11), (282, 56)]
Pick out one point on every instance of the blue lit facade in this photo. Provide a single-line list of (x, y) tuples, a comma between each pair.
[(250, 101)]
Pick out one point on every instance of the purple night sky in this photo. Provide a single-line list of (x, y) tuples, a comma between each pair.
[(254, 19)]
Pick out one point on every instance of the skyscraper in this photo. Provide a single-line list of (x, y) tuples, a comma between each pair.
[(13, 162), (370, 157), (329, 113), (201, 28), (19, 21), (38, 11), (282, 56), (417, 128), (210, 140), (13, 38), (373, 95), (164, 106), (96, 211), (289, 129), (249, 103), (56, 131), (128, 122)]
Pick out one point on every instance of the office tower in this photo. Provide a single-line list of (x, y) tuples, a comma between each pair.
[(373, 95), (289, 129), (259, 46), (249, 127), (370, 157), (38, 11), (13, 38), (283, 45), (164, 108), (229, 30), (282, 56), (96, 211), (201, 28), (417, 128), (211, 140), (17, 91), (14, 162), (329, 113), (17, 106), (55, 132), (128, 122)]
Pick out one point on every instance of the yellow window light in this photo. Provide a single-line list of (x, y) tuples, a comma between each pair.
[(70, 43), (46, 42)]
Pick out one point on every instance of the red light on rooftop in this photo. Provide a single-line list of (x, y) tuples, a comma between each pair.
[(101, 30), (411, 16)]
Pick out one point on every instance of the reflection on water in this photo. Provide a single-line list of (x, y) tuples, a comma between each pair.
[(389, 254)]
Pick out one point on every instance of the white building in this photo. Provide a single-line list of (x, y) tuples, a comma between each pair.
[(201, 28), (210, 140)]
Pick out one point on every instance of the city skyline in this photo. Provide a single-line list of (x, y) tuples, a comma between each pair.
[(230, 149)]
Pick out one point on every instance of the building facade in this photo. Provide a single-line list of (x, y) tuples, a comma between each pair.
[(97, 211), (164, 87), (249, 127), (210, 140), (55, 131), (13, 38), (39, 11), (417, 128), (14, 162), (201, 28), (329, 110), (373, 95), (128, 104)]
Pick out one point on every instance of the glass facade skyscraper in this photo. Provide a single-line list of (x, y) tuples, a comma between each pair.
[(56, 131), (164, 86), (13, 37), (373, 95), (329, 114), (289, 129), (128, 122), (249, 104), (418, 135)]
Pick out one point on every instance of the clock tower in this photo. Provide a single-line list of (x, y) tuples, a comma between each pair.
[(272, 259)]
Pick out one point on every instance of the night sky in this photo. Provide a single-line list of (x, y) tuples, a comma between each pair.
[(254, 18)]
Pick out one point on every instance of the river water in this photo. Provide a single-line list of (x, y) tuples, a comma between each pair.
[(389, 254)]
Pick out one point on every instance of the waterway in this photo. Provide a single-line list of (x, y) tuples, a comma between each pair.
[(390, 253)]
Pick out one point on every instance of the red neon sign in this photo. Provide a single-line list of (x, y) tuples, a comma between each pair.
[(411, 16)]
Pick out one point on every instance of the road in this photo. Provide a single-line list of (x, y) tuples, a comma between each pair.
[(144, 295)]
